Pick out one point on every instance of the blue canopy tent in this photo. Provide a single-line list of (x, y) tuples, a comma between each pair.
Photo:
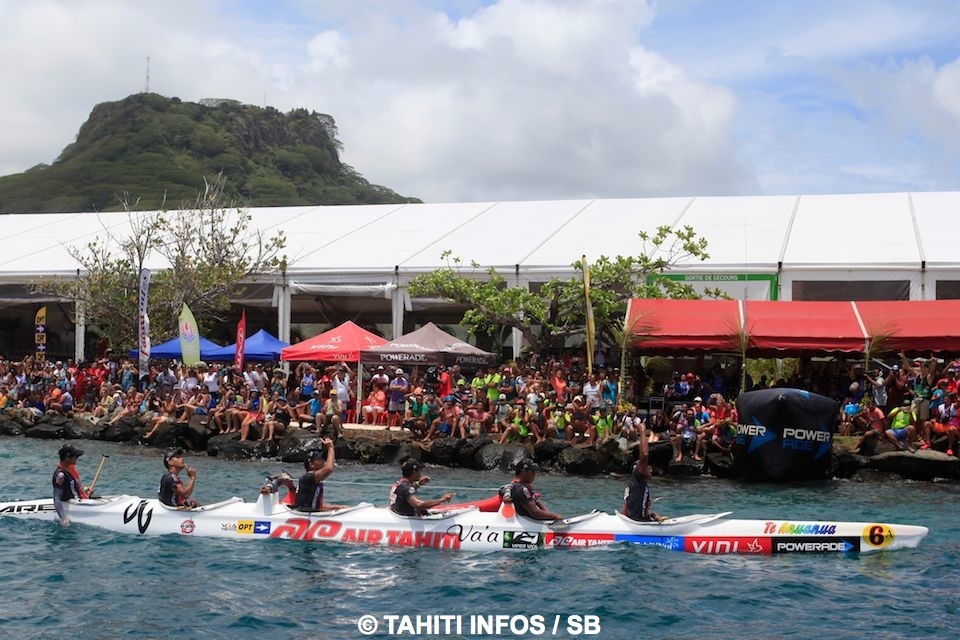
[(171, 349), (260, 346)]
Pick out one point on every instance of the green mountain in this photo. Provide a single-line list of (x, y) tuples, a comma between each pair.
[(148, 147)]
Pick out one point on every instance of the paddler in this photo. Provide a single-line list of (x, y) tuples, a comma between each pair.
[(404, 500), (637, 503), (66, 481), (525, 500), (172, 491), (319, 465)]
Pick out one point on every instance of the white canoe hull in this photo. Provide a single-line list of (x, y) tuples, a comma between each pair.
[(473, 530)]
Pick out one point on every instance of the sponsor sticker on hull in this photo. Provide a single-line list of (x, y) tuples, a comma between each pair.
[(672, 543), (578, 540), (726, 544), (818, 544)]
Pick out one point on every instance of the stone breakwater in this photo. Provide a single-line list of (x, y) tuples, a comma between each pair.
[(480, 453)]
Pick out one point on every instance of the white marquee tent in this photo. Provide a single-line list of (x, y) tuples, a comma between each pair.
[(855, 246)]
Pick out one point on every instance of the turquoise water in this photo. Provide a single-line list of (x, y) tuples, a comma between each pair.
[(83, 582)]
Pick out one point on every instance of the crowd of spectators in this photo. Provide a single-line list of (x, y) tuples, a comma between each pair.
[(909, 403)]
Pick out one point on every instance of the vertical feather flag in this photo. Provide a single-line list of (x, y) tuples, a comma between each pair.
[(241, 341), (40, 332), (189, 336), (143, 324), (591, 327)]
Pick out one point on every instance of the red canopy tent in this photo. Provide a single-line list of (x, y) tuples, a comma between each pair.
[(789, 328), (661, 326), (342, 343), (913, 325), (793, 327)]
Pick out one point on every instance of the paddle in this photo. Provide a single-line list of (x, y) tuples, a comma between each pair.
[(96, 476)]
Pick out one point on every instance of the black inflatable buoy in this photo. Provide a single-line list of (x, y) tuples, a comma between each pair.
[(784, 434)]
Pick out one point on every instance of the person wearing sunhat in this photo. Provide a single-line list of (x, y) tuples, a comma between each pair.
[(525, 500), (404, 500), (173, 492), (66, 481)]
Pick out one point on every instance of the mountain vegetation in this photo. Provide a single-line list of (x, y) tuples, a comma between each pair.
[(155, 152)]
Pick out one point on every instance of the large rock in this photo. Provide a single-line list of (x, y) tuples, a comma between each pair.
[(686, 467), (167, 435), (579, 461), (513, 453), (229, 447), (373, 451), (445, 451), (408, 450), (10, 427), (546, 452), (488, 457), (59, 428), (467, 455), (195, 433), (126, 429), (720, 465), (295, 444), (922, 465)]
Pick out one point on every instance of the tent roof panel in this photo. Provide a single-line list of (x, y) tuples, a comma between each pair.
[(937, 215), (606, 227), (740, 231), (852, 230), (385, 241), (503, 235)]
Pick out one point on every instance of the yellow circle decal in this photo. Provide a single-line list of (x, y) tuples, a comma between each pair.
[(878, 535)]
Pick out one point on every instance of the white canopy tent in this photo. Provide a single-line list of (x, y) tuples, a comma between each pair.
[(765, 247)]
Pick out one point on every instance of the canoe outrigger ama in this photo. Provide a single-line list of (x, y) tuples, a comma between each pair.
[(483, 526)]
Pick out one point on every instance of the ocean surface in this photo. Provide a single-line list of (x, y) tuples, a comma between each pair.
[(82, 582)]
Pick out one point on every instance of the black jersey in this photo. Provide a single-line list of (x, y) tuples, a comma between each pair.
[(309, 493), (636, 498), (167, 493), (522, 497), (65, 486), (400, 494)]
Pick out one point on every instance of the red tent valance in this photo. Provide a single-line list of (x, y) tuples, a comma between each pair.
[(789, 328)]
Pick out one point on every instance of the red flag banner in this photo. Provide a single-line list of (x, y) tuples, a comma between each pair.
[(241, 340)]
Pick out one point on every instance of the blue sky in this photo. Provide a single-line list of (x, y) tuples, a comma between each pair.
[(463, 100)]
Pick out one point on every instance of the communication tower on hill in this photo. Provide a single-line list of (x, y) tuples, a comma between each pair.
[(147, 90)]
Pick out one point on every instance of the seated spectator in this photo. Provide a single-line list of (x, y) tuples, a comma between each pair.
[(521, 426), (328, 421), (278, 419), (659, 428), (375, 404), (254, 416), (448, 422), (167, 415), (901, 428), (944, 421), (415, 416), (559, 424)]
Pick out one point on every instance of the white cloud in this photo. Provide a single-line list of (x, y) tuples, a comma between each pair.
[(515, 99)]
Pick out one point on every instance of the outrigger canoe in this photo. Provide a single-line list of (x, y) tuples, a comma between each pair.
[(471, 528)]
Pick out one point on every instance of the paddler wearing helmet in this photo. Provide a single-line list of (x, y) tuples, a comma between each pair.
[(66, 481)]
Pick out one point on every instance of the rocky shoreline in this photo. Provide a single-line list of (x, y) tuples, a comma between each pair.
[(480, 453)]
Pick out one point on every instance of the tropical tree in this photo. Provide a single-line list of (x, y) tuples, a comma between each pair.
[(557, 311), (208, 249)]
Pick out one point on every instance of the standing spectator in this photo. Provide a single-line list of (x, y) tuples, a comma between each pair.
[(399, 387)]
